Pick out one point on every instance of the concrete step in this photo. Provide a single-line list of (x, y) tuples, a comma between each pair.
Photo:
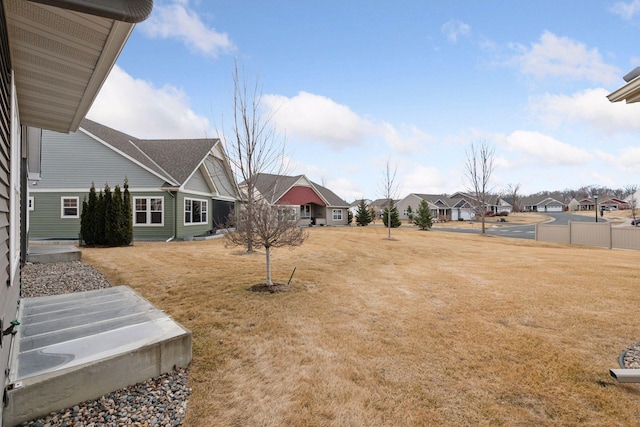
[(76, 347), (53, 253)]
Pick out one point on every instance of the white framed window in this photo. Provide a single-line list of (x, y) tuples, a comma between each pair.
[(195, 211), (32, 205), (69, 207), (305, 211), (288, 214), (148, 211), (337, 214)]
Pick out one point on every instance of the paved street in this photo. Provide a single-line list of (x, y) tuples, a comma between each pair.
[(520, 231)]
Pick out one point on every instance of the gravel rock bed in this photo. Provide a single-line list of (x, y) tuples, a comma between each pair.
[(631, 357), (160, 401)]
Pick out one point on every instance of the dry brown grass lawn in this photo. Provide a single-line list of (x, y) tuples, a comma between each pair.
[(431, 328)]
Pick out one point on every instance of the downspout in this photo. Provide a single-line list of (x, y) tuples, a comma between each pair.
[(175, 216)]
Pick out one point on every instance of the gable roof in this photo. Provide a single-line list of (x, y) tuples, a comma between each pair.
[(442, 200), (274, 187), (178, 157), (175, 160)]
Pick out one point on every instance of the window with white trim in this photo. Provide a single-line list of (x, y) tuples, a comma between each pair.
[(337, 214), (148, 211), (69, 207), (305, 211), (195, 211)]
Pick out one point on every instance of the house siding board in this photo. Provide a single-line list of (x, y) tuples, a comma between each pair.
[(197, 182), (163, 232), (196, 229), (411, 200), (9, 292), (224, 185), (45, 221), (88, 161)]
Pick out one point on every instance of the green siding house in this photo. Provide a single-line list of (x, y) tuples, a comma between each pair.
[(179, 188)]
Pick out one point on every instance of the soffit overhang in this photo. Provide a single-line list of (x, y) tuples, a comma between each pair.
[(629, 92), (61, 58)]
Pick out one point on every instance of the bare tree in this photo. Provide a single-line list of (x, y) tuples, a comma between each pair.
[(389, 191), (632, 190), (478, 170), (253, 146), (513, 192), (272, 226)]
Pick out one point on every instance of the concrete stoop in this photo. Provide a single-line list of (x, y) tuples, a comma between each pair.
[(53, 253), (80, 346)]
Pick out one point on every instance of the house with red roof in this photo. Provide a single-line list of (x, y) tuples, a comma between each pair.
[(310, 203)]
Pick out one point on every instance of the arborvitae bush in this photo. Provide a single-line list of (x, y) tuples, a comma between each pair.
[(128, 214), (106, 218), (88, 217)]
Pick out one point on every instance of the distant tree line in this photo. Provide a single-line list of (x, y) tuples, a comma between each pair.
[(106, 218)]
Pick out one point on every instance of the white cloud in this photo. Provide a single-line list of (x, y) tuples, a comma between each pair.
[(545, 150), (454, 29), (591, 106), (315, 117), (138, 108), (177, 20), (427, 180), (626, 10), (553, 57), (311, 117), (409, 140), (630, 159)]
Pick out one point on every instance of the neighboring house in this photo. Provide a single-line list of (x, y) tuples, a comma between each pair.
[(353, 207), (573, 205), (179, 188), (378, 206), (495, 204), (443, 208), (55, 56), (587, 204), (310, 203), (614, 204), (542, 204)]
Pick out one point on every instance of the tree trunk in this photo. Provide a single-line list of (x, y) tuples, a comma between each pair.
[(268, 251)]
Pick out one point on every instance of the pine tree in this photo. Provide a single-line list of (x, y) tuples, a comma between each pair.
[(363, 215), (410, 213), (395, 216), (423, 217), (128, 214), (349, 217)]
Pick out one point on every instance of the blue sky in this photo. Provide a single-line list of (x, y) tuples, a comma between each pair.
[(354, 84)]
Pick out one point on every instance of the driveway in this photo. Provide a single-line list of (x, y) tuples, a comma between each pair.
[(520, 231)]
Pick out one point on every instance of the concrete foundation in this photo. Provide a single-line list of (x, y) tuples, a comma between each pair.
[(76, 347)]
